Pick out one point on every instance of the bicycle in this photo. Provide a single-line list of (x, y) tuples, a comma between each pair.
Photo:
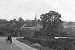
[(9, 40)]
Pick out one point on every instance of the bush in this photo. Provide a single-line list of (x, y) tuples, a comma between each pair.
[(59, 44)]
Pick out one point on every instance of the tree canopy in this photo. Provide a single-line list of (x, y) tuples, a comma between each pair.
[(52, 23)]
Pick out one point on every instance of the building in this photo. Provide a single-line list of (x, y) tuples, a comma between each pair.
[(32, 25)]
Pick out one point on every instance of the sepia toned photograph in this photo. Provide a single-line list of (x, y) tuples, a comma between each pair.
[(37, 24)]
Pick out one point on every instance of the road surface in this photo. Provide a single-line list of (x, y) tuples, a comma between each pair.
[(16, 45)]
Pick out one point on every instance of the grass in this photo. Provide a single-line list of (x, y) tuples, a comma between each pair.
[(30, 43), (25, 41)]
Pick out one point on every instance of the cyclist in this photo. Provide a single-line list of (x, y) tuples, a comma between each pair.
[(9, 39)]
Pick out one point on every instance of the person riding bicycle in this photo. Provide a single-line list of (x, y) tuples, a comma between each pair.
[(9, 39)]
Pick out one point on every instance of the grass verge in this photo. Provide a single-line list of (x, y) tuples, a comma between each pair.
[(30, 43)]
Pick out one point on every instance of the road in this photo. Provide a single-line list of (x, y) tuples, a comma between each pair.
[(16, 45)]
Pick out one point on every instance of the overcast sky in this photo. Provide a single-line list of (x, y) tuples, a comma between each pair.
[(27, 9)]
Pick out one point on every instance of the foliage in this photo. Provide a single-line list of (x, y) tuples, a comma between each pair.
[(52, 23), (59, 44), (50, 18)]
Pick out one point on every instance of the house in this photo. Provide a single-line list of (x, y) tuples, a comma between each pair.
[(32, 24), (37, 27)]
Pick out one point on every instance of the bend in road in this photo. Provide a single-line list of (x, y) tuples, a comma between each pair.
[(22, 45)]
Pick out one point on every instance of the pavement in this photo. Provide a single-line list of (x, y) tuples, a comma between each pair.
[(16, 45)]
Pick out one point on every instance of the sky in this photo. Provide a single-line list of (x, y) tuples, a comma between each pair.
[(10, 9)]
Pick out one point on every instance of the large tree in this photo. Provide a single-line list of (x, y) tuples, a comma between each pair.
[(52, 23)]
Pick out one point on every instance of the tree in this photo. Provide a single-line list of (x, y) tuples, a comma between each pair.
[(52, 23), (21, 20)]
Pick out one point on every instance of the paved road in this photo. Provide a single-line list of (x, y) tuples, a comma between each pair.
[(16, 45)]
